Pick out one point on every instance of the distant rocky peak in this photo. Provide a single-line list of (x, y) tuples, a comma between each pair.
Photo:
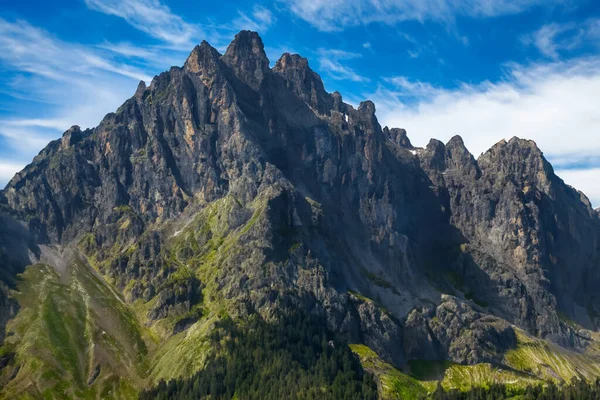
[(399, 137), (304, 82), (203, 60), (246, 56), (367, 107), (519, 158), (456, 142), (460, 159), (71, 137), (289, 61), (139, 92)]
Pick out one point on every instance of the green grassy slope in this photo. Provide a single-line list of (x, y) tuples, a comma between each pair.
[(392, 383), (75, 337), (72, 338), (550, 362)]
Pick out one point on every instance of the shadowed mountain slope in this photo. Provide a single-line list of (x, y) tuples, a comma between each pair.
[(226, 189)]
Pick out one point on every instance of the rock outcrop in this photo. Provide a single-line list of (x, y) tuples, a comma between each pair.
[(227, 181)]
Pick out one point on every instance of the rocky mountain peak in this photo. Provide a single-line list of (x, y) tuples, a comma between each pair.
[(398, 136), (204, 61), (367, 107), (71, 137), (520, 158), (435, 156), (246, 56), (456, 142), (459, 158), (304, 82), (291, 61), (140, 90)]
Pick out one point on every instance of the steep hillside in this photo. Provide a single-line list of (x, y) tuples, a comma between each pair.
[(226, 191)]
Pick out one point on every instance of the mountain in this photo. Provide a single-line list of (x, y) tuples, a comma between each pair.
[(228, 198)]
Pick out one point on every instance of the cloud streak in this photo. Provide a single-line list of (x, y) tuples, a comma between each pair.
[(331, 61), (151, 17), (554, 40), (259, 20), (158, 21), (335, 15)]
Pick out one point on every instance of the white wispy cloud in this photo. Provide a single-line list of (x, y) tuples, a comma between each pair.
[(29, 49), (260, 20), (158, 21), (405, 88), (332, 15), (554, 39), (331, 62), (554, 104), (151, 17), (128, 50)]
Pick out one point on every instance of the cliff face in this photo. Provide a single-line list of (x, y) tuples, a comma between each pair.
[(227, 185)]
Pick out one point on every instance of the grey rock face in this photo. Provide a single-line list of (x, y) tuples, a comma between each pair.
[(518, 220), (457, 332), (398, 136), (305, 83), (307, 200)]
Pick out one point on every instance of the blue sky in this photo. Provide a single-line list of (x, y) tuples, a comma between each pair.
[(486, 69)]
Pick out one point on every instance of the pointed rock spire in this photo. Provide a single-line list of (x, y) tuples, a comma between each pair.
[(304, 82), (246, 56), (203, 60), (460, 159), (139, 93), (71, 137), (435, 155), (398, 136)]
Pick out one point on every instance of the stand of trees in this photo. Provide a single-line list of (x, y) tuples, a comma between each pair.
[(576, 390), (295, 358)]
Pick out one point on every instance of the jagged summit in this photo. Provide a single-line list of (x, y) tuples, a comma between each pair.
[(304, 82), (226, 191), (291, 61), (246, 55), (398, 136), (246, 43)]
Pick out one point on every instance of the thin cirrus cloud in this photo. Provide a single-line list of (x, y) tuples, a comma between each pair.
[(333, 63), (554, 104), (158, 21), (335, 15), (151, 17), (553, 40), (42, 69), (260, 19)]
